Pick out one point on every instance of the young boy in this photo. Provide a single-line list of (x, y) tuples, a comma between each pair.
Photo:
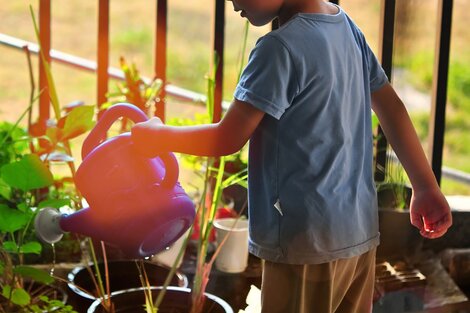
[(304, 101)]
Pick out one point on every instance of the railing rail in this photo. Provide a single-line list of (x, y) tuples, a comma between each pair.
[(91, 66)]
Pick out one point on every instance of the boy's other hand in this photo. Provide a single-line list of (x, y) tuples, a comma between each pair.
[(430, 213), (145, 136)]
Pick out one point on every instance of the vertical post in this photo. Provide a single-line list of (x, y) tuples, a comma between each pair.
[(160, 54), (439, 90), (219, 37), (45, 39), (387, 31), (103, 52)]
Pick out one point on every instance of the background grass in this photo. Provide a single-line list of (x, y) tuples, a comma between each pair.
[(74, 30)]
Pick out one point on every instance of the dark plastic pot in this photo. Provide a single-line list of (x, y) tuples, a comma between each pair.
[(123, 274), (398, 237), (176, 300)]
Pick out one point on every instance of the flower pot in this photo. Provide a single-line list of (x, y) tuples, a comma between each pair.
[(176, 300), (398, 238), (168, 256), (233, 255), (123, 274)]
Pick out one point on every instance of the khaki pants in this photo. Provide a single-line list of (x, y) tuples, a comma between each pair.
[(341, 286)]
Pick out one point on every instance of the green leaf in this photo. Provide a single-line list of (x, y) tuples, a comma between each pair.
[(23, 207), (12, 220), (54, 203), (35, 274), (2, 268), (18, 296), (78, 121), (27, 174), (31, 247), (10, 246), (53, 134), (5, 189), (6, 291)]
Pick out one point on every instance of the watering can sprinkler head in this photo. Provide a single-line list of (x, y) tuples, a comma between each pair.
[(136, 202), (47, 225)]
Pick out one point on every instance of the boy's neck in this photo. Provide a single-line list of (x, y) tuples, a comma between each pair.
[(292, 7)]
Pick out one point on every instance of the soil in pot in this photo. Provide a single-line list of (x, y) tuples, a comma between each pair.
[(176, 300), (123, 274)]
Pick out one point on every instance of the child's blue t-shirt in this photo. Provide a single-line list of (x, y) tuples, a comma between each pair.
[(312, 197)]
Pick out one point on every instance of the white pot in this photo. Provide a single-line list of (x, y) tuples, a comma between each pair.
[(169, 255), (233, 255)]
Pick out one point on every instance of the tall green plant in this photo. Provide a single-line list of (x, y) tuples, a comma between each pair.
[(136, 90)]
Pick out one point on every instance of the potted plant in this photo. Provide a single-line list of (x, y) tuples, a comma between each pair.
[(121, 275), (177, 300)]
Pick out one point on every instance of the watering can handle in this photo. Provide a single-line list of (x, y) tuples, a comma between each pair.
[(98, 135)]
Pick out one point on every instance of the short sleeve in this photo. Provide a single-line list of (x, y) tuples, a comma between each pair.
[(269, 80), (377, 76)]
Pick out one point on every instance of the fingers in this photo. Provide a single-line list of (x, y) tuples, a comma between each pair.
[(440, 226), (145, 137), (155, 121), (432, 234), (417, 220), (433, 230)]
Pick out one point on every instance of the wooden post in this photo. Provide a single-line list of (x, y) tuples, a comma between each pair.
[(45, 40), (103, 52), (219, 37), (160, 54)]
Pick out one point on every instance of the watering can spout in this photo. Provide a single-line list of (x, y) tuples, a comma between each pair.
[(83, 222), (51, 225)]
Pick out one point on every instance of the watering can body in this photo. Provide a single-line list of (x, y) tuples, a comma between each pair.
[(135, 202)]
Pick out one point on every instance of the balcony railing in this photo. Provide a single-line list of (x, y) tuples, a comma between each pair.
[(386, 46)]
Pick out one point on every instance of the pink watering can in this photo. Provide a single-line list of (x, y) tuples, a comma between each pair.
[(136, 203)]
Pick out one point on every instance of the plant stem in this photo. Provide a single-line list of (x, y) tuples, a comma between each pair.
[(243, 50), (98, 274), (172, 272)]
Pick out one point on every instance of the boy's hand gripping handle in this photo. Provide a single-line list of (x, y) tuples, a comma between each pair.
[(98, 135)]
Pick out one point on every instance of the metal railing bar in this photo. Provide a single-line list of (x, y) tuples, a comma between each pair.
[(437, 121), (447, 172), (387, 31), (456, 175), (102, 53)]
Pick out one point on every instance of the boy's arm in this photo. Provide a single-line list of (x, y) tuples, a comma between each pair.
[(225, 137), (429, 210)]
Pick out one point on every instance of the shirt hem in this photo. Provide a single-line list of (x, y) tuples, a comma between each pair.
[(274, 255)]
